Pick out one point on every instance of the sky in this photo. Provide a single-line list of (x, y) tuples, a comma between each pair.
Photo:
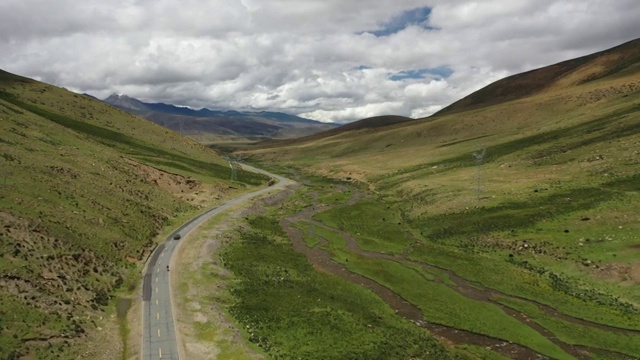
[(327, 60)]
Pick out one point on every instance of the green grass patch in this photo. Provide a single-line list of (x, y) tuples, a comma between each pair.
[(442, 276), (335, 198), (481, 352), (309, 239), (293, 311), (443, 305), (575, 334), (513, 215), (492, 272), (20, 322), (376, 227), (424, 273), (337, 241)]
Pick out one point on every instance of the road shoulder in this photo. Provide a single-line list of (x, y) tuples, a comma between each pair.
[(204, 329)]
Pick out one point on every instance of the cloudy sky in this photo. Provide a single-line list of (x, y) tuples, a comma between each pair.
[(329, 60)]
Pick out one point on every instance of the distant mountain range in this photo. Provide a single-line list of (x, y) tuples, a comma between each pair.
[(220, 125)]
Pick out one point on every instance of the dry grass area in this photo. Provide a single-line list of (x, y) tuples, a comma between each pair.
[(529, 126), (193, 191), (207, 330)]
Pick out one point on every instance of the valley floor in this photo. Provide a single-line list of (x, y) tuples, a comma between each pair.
[(243, 279)]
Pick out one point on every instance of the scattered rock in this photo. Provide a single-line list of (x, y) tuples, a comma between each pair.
[(48, 275)]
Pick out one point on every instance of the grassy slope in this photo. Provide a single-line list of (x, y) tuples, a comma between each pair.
[(77, 218), (560, 175)]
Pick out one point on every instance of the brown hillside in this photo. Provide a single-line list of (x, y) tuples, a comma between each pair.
[(617, 60), (609, 82), (372, 122), (368, 123), (375, 122)]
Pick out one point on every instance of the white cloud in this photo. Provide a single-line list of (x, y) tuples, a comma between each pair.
[(299, 56), (361, 112)]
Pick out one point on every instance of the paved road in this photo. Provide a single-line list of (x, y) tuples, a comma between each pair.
[(159, 334)]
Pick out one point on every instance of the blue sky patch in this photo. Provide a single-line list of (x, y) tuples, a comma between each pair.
[(439, 72), (418, 17)]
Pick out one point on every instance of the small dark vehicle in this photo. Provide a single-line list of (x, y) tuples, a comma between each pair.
[(176, 237)]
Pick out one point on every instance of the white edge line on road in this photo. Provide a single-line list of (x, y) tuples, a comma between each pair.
[(282, 182), (158, 332)]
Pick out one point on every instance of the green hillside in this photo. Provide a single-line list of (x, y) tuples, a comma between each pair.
[(85, 192), (512, 214)]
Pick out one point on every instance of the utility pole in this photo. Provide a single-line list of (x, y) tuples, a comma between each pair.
[(233, 165), (234, 170), (479, 156)]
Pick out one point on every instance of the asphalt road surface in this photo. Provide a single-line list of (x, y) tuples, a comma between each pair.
[(159, 334)]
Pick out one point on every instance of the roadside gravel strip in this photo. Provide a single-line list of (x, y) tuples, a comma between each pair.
[(158, 324)]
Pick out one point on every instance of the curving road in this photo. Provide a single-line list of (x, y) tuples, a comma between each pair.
[(158, 325)]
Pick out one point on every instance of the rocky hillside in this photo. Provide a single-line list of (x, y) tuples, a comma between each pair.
[(85, 190)]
